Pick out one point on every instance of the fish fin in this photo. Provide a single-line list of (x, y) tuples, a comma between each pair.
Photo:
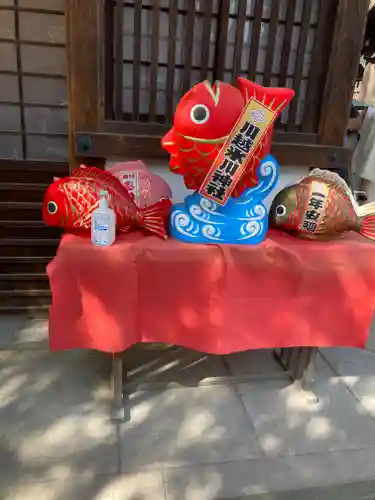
[(367, 220), (93, 172), (124, 229), (108, 179), (366, 209), (153, 217), (79, 171), (335, 181)]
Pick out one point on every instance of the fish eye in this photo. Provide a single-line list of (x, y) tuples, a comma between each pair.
[(199, 114), (280, 210), (52, 207)]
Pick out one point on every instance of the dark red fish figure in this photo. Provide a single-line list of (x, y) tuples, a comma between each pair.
[(69, 202), (204, 118), (320, 207)]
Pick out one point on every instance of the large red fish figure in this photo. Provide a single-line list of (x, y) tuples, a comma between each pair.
[(69, 202), (204, 118)]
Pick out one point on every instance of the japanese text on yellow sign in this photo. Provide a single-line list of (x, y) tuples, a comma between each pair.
[(315, 209), (237, 151)]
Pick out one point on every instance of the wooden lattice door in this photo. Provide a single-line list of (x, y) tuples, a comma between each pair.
[(130, 62)]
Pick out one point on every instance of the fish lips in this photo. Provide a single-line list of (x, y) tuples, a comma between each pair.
[(168, 141)]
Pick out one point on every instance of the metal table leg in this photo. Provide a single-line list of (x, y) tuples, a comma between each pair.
[(287, 357), (118, 407), (304, 371), (299, 362)]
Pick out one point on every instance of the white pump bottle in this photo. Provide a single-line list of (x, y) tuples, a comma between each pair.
[(103, 223)]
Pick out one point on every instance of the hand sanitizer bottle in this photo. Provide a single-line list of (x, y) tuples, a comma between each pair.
[(103, 223)]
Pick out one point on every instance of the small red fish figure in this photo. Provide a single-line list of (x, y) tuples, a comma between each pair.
[(203, 120), (319, 207), (69, 202)]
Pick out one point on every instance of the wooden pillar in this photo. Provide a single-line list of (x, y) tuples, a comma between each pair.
[(343, 64), (85, 39)]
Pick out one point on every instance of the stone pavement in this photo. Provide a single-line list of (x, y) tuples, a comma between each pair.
[(193, 433)]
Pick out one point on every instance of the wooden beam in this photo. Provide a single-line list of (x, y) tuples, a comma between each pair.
[(148, 147), (84, 21), (54, 167), (319, 66), (157, 129), (221, 40), (343, 64)]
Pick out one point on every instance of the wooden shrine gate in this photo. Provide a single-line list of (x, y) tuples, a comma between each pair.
[(130, 61)]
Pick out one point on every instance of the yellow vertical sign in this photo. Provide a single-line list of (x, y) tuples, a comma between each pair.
[(315, 207), (237, 151)]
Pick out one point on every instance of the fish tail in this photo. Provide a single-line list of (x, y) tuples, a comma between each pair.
[(153, 217), (367, 220)]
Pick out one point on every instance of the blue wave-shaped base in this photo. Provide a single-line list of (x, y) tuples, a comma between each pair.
[(242, 220)]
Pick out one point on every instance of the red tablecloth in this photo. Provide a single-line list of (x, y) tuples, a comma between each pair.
[(217, 299)]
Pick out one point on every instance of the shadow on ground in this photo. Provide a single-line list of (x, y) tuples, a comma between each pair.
[(195, 431)]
